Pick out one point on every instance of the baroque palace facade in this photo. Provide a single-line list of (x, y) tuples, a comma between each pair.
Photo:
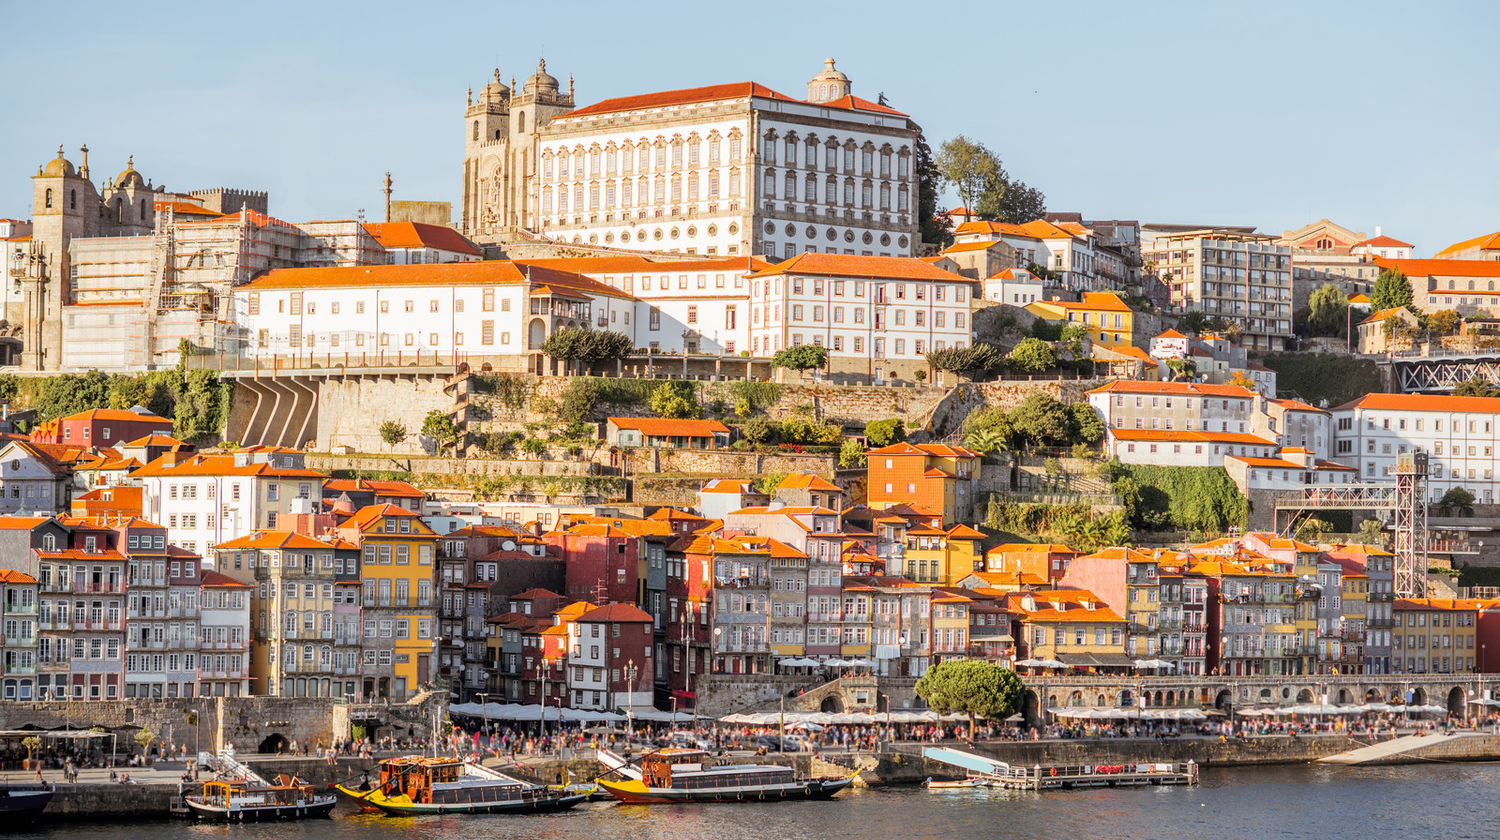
[(724, 170)]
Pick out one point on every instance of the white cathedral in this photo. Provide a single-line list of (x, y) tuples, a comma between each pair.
[(725, 170)]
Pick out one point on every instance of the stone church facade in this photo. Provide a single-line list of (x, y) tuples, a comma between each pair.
[(724, 170)]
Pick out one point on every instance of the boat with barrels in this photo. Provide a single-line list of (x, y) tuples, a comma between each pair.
[(253, 800), (412, 785), (683, 775)]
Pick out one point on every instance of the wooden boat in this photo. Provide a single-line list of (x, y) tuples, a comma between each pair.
[(286, 798), (680, 775), (418, 785), (23, 802)]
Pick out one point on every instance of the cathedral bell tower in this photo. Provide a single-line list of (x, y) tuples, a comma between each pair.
[(64, 205), (500, 150)]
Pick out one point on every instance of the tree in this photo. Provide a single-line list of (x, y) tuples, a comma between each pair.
[(1327, 312), (1476, 386), (578, 400), (1033, 355), (929, 181), (1020, 203), (1458, 499), (989, 430), (145, 737), (1443, 322), (392, 432), (675, 399), (1391, 290), (973, 171), (972, 687), (801, 357), (438, 425), (885, 432), (758, 430), (851, 454), (978, 359), (1041, 419), (1242, 380), (1371, 531), (1086, 426), (32, 743), (581, 345)]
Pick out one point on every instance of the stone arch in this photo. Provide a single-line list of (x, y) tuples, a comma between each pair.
[(536, 334), (1343, 698), (1171, 698), (833, 704), (1101, 702), (1224, 699), (1127, 698), (1051, 700), (1076, 698), (1419, 696), (273, 744), (1305, 696), (1157, 699), (1457, 703), (1372, 695)]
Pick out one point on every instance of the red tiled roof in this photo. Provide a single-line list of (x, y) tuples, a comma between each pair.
[(376, 486), (13, 576), (617, 613), (664, 427), (1485, 241), (1183, 435), (854, 103), (393, 235), (274, 539), (474, 273), (217, 579), (806, 481), (1382, 242), (939, 450), (684, 96), (1171, 334), (220, 465), (20, 523), (850, 265), (1192, 389)]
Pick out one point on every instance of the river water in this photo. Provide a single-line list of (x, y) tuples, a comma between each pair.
[(1446, 801)]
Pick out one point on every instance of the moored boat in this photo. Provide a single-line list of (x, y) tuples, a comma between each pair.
[(681, 775), (234, 800), (934, 784), (23, 801), (417, 785)]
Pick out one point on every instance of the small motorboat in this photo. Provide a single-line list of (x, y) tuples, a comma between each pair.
[(24, 802), (238, 800), (413, 785)]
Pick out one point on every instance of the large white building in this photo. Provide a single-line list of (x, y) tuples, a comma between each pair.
[(1457, 433), (1230, 273), (723, 170)]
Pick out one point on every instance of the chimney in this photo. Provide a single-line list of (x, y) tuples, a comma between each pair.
[(1377, 231)]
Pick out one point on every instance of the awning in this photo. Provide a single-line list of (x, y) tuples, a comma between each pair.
[(1097, 660)]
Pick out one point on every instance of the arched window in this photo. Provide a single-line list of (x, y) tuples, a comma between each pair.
[(791, 186), (49, 198), (143, 212), (476, 129), (72, 199), (497, 134), (521, 122)]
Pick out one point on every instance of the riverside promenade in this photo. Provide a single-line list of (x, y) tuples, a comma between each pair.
[(96, 797)]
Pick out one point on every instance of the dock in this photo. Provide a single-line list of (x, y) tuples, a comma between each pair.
[(1396, 750), (1063, 777)]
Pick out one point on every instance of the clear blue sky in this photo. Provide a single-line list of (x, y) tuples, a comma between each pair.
[(1269, 113)]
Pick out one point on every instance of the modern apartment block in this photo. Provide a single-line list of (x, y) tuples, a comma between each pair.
[(1229, 273)]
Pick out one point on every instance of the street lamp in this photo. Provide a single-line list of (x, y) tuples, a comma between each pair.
[(484, 712)]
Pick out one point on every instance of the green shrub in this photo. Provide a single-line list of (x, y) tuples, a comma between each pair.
[(851, 454), (885, 432), (758, 430), (676, 399), (578, 400)]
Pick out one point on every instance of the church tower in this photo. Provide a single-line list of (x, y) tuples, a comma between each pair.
[(828, 85), (64, 205), (500, 150)]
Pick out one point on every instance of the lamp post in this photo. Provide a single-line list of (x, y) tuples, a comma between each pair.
[(484, 712)]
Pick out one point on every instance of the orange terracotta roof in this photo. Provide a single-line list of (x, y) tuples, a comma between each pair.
[(854, 103), (379, 487), (735, 486), (392, 235), (1092, 301), (1424, 402), (1031, 548), (1189, 389), (1484, 242), (964, 532), (664, 427), (982, 245), (1296, 405), (221, 464), (1443, 268), (274, 539), (154, 440), (217, 580), (184, 208), (119, 414), (1282, 464), (14, 576), (474, 273), (850, 265), (371, 514), (646, 264), (1170, 334), (617, 613), (1381, 315), (939, 450)]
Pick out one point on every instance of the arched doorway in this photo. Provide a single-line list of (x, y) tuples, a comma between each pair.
[(1076, 699), (1456, 702), (1305, 696), (1372, 695), (1127, 698), (1344, 697), (1171, 698), (1224, 700), (1419, 697), (833, 704), (536, 334), (273, 744)]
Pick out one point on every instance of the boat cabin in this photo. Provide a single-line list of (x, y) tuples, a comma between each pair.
[(684, 769)]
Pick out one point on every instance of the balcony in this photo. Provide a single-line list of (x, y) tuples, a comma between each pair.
[(18, 670), (137, 644), (226, 674), (14, 608), (182, 612), (99, 624), (99, 588), (20, 641), (221, 645)]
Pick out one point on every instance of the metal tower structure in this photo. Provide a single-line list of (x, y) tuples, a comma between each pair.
[(1411, 525)]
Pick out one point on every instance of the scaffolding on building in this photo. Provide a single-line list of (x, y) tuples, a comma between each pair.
[(1411, 525)]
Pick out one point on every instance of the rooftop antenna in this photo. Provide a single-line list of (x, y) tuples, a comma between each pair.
[(388, 195)]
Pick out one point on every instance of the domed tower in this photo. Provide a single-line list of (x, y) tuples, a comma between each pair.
[(829, 84), (486, 131), (64, 205), (129, 205)]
